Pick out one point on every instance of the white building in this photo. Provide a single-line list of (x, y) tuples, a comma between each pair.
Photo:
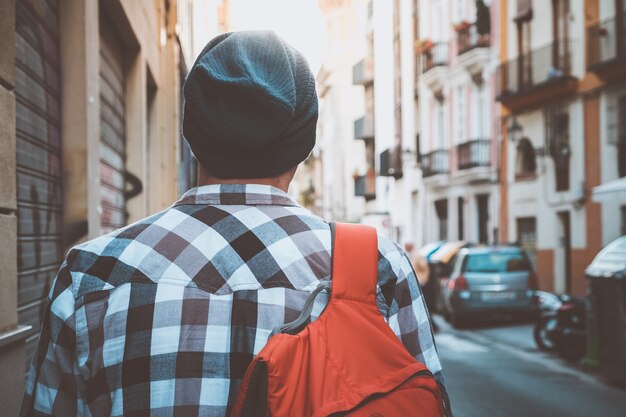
[(458, 140)]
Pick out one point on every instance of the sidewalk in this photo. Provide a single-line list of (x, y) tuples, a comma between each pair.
[(517, 338)]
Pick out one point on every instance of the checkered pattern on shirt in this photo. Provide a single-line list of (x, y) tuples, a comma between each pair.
[(164, 316)]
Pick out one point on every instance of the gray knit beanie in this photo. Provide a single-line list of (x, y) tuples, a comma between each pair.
[(250, 106)]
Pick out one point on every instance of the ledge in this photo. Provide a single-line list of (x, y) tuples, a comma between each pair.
[(15, 335), (539, 94)]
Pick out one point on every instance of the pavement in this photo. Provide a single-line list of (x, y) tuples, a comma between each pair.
[(495, 370)]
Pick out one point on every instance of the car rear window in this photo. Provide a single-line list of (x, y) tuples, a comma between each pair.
[(496, 262)]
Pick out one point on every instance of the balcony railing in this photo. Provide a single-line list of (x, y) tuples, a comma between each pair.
[(364, 128), (365, 185), (604, 43), (435, 163), (543, 65), (391, 162), (470, 39), (363, 72), (437, 55), (474, 153)]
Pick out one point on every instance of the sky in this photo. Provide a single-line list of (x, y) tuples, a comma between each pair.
[(299, 22)]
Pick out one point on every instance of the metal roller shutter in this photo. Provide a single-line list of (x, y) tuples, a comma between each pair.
[(112, 129), (39, 198)]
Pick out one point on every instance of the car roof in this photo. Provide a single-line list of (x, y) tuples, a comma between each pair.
[(481, 250)]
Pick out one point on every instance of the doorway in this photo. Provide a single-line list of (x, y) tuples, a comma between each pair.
[(565, 244)]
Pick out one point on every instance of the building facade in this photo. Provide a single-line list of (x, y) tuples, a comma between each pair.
[(339, 159), (90, 141), (458, 142), (560, 82)]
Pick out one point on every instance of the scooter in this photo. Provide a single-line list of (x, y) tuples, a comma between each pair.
[(561, 326)]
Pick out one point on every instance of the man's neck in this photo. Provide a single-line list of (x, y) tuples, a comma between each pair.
[(281, 181), (274, 182)]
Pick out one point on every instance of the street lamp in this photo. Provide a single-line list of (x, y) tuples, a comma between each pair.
[(514, 130)]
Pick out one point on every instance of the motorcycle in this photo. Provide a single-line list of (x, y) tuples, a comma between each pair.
[(561, 326)]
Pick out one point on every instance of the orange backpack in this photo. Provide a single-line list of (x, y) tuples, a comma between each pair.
[(348, 362)]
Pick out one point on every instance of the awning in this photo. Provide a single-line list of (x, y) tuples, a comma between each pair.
[(612, 190), (446, 252)]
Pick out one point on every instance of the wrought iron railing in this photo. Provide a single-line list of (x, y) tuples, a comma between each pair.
[(365, 185), (542, 65), (470, 39), (435, 163), (363, 72), (474, 153), (604, 43), (391, 162), (364, 128), (437, 55)]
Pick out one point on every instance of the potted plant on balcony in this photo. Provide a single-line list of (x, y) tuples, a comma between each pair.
[(424, 46), (462, 27)]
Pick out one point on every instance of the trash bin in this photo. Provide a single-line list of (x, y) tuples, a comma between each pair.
[(607, 295)]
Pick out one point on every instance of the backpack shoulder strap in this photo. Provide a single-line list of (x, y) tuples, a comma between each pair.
[(354, 271), (354, 262)]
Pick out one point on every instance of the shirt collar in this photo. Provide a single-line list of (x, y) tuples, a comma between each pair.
[(237, 194)]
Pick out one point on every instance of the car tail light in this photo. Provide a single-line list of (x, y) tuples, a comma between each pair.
[(460, 284), (533, 281)]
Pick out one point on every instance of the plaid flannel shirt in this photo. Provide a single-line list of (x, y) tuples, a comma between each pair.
[(163, 316)]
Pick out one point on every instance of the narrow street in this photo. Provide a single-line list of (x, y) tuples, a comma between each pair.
[(496, 371)]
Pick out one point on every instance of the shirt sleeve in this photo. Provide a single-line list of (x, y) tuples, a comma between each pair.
[(52, 383), (407, 315)]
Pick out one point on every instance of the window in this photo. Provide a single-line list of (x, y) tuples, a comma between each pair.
[(460, 113), (459, 9), (440, 123), (497, 262), (441, 208), (527, 237), (482, 203), (623, 212), (525, 163), (560, 15), (616, 129), (460, 205), (621, 137), (558, 144)]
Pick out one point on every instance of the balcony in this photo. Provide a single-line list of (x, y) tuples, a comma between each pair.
[(363, 72), (365, 185), (470, 39), (435, 163), (364, 128), (606, 49), (474, 153), (436, 55), (539, 76), (391, 162)]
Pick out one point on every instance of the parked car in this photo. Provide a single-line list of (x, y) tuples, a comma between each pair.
[(488, 280), (440, 262)]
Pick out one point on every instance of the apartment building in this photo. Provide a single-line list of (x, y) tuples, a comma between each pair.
[(340, 171), (89, 142), (561, 83), (606, 60), (457, 137)]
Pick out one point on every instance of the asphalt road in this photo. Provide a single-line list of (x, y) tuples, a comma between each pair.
[(495, 371)]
